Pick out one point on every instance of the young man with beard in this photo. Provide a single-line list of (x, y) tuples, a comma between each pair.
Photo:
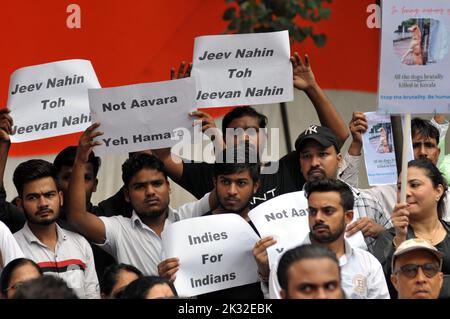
[(57, 251), (137, 240), (236, 179), (330, 205), (319, 156)]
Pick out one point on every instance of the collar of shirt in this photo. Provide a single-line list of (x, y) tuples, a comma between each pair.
[(344, 258), (172, 216), (31, 238)]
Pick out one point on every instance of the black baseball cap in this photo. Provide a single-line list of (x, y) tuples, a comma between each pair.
[(320, 134)]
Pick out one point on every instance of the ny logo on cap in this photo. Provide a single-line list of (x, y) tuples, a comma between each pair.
[(311, 129)]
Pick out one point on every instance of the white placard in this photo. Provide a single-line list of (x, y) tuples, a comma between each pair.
[(415, 59), (215, 253), (243, 69), (142, 116), (50, 99), (285, 217), (379, 151)]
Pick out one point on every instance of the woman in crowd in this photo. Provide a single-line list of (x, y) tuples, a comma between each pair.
[(17, 272), (419, 217)]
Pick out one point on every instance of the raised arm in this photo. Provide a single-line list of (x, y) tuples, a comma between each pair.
[(328, 116), (84, 222), (6, 123), (173, 163)]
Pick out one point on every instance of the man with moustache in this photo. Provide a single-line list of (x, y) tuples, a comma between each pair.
[(319, 156), (330, 205), (236, 179), (136, 240), (310, 272), (417, 270), (57, 251)]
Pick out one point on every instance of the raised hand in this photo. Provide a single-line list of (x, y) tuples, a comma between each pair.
[(87, 143), (400, 220), (358, 126), (6, 123), (182, 71), (303, 75)]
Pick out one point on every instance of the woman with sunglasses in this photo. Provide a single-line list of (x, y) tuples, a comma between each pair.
[(420, 217)]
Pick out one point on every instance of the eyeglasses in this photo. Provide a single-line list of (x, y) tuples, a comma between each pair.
[(411, 270), (15, 286)]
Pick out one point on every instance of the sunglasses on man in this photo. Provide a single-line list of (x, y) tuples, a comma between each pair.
[(410, 270)]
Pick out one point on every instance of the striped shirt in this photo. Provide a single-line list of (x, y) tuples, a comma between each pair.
[(72, 259)]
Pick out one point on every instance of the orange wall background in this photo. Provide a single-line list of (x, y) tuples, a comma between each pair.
[(139, 41)]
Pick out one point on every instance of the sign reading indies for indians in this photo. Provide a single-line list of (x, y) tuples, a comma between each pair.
[(415, 60), (242, 69), (50, 99), (215, 253), (142, 116)]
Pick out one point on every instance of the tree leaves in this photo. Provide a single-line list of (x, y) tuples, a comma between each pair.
[(247, 16)]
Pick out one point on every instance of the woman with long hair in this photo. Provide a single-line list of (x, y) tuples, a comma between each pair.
[(419, 217)]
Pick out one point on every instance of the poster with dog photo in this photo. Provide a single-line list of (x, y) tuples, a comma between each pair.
[(379, 153), (415, 60)]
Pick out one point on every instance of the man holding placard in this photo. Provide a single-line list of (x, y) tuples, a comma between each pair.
[(331, 205), (136, 240), (278, 177), (319, 153), (236, 179)]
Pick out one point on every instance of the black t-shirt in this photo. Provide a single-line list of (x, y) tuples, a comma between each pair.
[(12, 216), (114, 206), (198, 179)]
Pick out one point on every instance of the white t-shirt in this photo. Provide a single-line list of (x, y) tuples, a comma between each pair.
[(9, 249), (362, 275), (132, 242)]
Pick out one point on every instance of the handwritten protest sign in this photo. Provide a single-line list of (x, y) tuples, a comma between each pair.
[(285, 217), (50, 99), (415, 60), (215, 253), (242, 69), (379, 152), (142, 116)]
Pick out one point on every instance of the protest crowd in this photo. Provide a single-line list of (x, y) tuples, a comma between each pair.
[(299, 227)]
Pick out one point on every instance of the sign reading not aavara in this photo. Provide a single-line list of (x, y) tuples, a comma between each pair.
[(215, 253), (50, 99), (242, 69), (142, 116), (285, 218)]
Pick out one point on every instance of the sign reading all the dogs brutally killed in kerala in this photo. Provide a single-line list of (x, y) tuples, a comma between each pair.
[(50, 99), (242, 69), (285, 218), (142, 116), (215, 253), (415, 59)]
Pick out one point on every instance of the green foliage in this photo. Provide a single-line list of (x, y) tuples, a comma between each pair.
[(248, 16)]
